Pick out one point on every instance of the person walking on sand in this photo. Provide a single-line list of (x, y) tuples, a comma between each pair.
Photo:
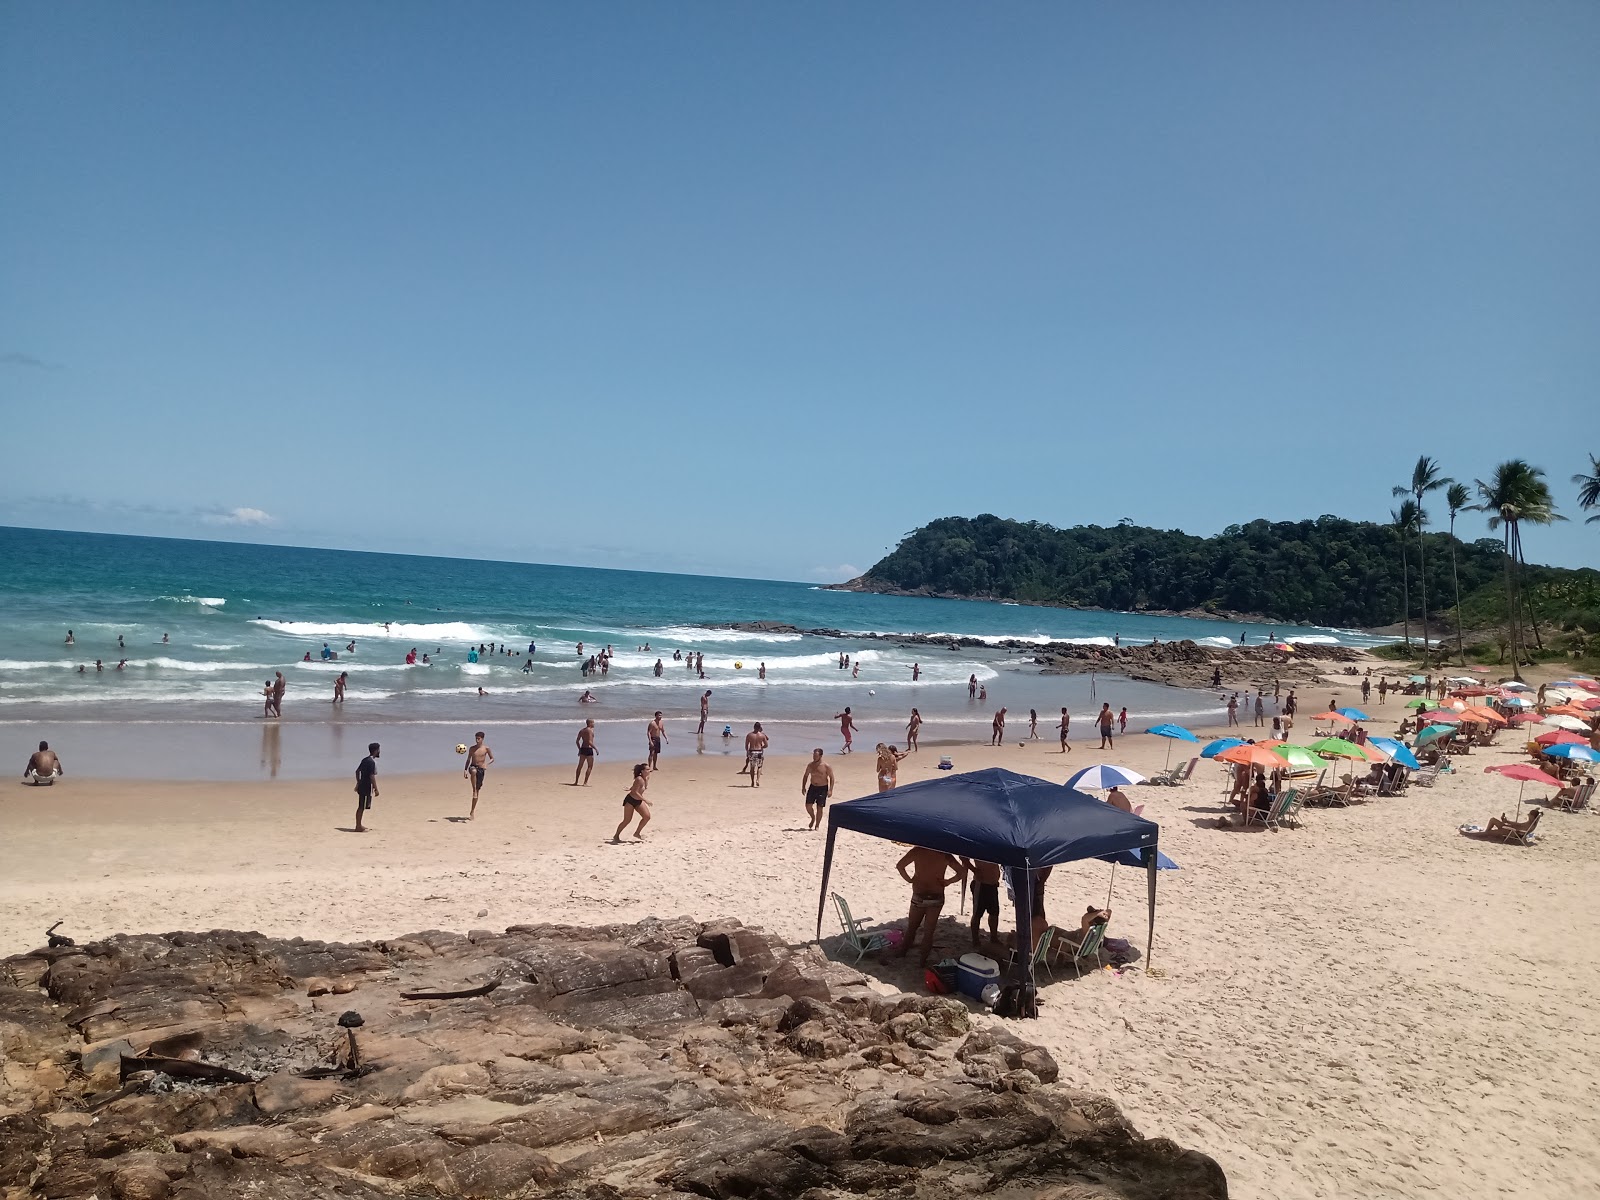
[(586, 753), (339, 685), (913, 730), (1122, 720), (705, 712), (985, 896), (1065, 728), (847, 727), (656, 734), (1290, 704), (888, 767), (1107, 722), (366, 784), (1233, 710), (1033, 724), (279, 686), (816, 785), (755, 753), (634, 804), (928, 882), (479, 760), (1366, 690), (997, 728), (1261, 709)]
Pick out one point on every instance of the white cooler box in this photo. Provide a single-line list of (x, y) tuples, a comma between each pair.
[(974, 972)]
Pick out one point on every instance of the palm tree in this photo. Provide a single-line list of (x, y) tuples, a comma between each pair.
[(1455, 498), (1405, 520), (1516, 492), (1540, 509), (1425, 478), (1589, 489)]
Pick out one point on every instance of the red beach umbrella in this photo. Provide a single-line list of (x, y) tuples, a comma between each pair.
[(1525, 775), (1560, 737)]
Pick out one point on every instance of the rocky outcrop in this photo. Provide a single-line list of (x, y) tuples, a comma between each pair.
[(666, 1058)]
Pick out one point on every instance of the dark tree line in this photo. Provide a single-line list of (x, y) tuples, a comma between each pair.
[(1326, 572)]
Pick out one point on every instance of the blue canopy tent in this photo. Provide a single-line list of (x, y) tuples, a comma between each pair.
[(998, 816)]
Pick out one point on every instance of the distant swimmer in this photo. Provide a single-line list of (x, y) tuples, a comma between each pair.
[(972, 686), (656, 734), (983, 692), (588, 697), (586, 753), (526, 667), (997, 728), (339, 685), (755, 754), (472, 655), (658, 668), (847, 727), (481, 692), (350, 648), (580, 649), (705, 711), (366, 784), (411, 657), (855, 671), (634, 804), (816, 785), (122, 663), (916, 672), (120, 646), (762, 673), (386, 627), (913, 730), (165, 640), (327, 652), (100, 666), (71, 641), (1122, 721), (479, 759), (44, 767)]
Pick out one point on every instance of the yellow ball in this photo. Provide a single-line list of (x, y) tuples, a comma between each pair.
[(738, 666), (461, 747)]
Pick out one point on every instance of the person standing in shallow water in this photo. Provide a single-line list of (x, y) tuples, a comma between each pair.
[(339, 685), (634, 805)]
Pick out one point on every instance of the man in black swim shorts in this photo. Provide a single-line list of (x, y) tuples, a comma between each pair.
[(366, 784), (985, 896), (478, 760), (816, 785), (585, 753)]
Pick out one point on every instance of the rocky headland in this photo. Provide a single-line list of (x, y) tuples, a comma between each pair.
[(1177, 664), (667, 1058)]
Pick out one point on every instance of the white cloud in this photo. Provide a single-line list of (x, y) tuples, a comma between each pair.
[(239, 516), (837, 574)]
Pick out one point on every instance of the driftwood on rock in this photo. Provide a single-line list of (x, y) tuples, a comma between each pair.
[(659, 1059)]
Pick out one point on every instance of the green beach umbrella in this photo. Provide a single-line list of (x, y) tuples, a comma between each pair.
[(1337, 748), (1416, 704), (1299, 757)]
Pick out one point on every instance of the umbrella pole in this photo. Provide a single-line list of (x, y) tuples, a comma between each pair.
[(1520, 786), (1111, 885)]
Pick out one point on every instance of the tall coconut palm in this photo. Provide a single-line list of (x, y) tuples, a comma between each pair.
[(1516, 492), (1589, 489), (1540, 509), (1406, 520), (1425, 478), (1456, 497)]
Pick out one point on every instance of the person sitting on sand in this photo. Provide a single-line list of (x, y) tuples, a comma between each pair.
[(1117, 798), (43, 768), (635, 805), (928, 882)]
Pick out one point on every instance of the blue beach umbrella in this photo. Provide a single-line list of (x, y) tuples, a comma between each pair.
[(1397, 750), (1133, 858), (1173, 733), (1217, 747), (1433, 733), (1102, 776), (1354, 714), (1573, 750)]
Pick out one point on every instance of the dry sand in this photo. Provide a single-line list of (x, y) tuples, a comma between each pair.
[(1371, 1005)]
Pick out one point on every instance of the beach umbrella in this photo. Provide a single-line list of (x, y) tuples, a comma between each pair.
[(1254, 756), (1217, 747), (1173, 733), (1333, 715), (1516, 702), (1564, 722), (1573, 750), (1137, 857), (1468, 680), (1479, 713), (1479, 670), (1514, 685), (1524, 774), (1433, 733), (1440, 716), (1299, 758), (1102, 777), (1352, 714), (1589, 705), (1589, 685), (1418, 679), (1416, 704), (1337, 748), (1527, 718), (1559, 737), (1281, 647), (1396, 750), (1570, 710)]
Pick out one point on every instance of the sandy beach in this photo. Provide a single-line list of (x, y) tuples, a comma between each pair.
[(1371, 1005)]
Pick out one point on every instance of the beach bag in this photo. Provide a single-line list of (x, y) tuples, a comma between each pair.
[(931, 981)]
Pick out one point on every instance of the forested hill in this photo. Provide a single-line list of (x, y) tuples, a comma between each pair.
[(1326, 572)]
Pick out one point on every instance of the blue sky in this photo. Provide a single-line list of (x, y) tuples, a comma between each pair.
[(755, 289)]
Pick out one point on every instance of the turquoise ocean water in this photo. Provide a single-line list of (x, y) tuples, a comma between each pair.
[(233, 614)]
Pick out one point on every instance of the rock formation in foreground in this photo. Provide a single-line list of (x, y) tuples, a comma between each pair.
[(663, 1059)]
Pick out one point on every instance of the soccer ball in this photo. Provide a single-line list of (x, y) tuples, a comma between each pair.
[(870, 692), (461, 747)]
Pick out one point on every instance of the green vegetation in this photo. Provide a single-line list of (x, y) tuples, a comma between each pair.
[(1327, 572)]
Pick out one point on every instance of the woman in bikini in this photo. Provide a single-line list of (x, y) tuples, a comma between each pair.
[(888, 766), (634, 804)]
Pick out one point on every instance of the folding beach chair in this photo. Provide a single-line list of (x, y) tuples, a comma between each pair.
[(1076, 952), (862, 943), (1040, 952)]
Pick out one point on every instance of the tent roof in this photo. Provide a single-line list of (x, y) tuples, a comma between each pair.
[(998, 816)]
